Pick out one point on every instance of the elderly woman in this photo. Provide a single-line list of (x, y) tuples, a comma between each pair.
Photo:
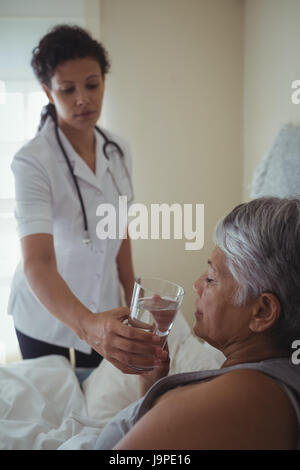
[(247, 306)]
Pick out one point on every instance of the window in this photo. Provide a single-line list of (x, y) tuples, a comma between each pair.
[(20, 106), (21, 100)]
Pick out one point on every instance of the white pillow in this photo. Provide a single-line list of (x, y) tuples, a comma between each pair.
[(107, 390), (195, 355)]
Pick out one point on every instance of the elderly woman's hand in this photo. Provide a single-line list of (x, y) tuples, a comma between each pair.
[(125, 347), (161, 369)]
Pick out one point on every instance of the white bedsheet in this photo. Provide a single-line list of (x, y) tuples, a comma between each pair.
[(41, 404)]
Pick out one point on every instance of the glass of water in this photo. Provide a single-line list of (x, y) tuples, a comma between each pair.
[(154, 305)]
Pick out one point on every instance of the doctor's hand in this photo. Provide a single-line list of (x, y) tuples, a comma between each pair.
[(122, 345)]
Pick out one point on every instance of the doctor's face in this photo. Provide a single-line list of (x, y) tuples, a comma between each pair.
[(77, 89)]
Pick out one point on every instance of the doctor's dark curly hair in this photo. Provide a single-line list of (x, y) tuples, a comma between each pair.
[(62, 43)]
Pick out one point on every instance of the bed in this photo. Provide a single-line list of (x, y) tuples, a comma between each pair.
[(46, 404)]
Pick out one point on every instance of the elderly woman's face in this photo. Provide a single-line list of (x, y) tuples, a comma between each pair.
[(218, 320)]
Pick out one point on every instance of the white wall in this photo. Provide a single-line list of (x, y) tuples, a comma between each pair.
[(175, 92), (272, 38)]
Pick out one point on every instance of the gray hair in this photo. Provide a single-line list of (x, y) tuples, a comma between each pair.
[(261, 243)]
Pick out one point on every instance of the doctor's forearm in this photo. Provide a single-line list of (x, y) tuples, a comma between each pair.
[(55, 295)]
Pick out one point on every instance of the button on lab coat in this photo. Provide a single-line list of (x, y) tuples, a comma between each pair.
[(47, 202)]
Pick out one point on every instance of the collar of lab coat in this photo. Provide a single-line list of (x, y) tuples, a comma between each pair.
[(80, 168)]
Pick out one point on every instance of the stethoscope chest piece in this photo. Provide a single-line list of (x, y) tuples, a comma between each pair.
[(86, 238)]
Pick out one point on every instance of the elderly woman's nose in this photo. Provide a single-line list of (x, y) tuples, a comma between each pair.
[(197, 287)]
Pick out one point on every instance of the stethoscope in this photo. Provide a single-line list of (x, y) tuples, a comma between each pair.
[(107, 144)]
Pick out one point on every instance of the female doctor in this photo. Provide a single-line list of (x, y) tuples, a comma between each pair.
[(65, 292)]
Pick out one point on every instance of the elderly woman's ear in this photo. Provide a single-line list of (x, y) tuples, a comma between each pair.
[(265, 312)]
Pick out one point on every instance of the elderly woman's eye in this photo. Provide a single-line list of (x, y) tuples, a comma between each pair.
[(209, 280)]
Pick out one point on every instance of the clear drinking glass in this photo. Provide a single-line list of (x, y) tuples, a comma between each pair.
[(154, 305)]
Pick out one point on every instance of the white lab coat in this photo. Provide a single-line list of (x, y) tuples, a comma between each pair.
[(47, 202)]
